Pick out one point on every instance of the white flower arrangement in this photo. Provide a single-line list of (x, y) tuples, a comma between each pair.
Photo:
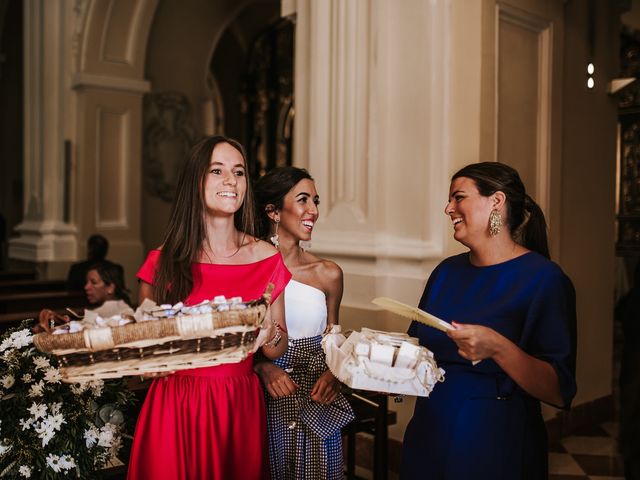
[(50, 429)]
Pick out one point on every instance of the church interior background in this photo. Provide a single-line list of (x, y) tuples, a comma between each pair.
[(380, 100)]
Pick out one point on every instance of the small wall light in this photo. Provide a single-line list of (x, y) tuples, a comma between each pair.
[(590, 71)]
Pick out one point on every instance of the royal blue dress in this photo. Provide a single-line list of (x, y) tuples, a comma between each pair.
[(478, 423)]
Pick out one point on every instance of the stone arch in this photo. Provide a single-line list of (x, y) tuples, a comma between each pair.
[(108, 50)]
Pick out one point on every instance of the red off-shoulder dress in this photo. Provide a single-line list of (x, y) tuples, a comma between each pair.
[(208, 423)]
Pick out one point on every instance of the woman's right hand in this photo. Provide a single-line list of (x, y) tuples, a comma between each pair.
[(277, 382)]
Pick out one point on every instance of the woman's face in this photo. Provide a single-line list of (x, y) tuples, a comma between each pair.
[(96, 290), (300, 210), (225, 184), (469, 211)]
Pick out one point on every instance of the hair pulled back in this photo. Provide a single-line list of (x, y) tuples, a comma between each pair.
[(271, 189), (525, 218)]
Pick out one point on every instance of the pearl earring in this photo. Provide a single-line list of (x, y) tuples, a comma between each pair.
[(275, 239)]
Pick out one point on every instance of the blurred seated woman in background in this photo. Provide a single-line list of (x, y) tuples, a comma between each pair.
[(105, 282), (106, 293)]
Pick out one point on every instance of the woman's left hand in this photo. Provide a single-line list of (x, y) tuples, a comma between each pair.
[(475, 342), (326, 388)]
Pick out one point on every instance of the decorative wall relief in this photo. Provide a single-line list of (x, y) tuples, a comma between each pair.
[(629, 181), (168, 137), (628, 214)]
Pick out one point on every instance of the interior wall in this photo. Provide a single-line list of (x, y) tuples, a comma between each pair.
[(588, 187)]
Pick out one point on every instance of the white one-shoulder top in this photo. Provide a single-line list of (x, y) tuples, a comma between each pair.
[(305, 310)]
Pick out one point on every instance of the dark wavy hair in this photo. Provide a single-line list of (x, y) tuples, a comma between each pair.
[(525, 219), (97, 247), (112, 274), (271, 188), (186, 232)]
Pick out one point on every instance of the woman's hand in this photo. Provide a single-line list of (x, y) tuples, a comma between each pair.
[(277, 382), (326, 389), (47, 319), (475, 342)]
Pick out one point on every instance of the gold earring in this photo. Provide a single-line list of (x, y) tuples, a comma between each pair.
[(495, 222)]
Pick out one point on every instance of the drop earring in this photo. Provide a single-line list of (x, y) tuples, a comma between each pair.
[(275, 239), (495, 222)]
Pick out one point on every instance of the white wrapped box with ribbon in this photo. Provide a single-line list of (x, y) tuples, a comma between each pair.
[(382, 362)]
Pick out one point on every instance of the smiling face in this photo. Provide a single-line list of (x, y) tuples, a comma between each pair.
[(225, 184), (96, 290), (300, 210), (469, 211)]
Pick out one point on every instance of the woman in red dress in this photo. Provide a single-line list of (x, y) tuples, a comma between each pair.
[(210, 422)]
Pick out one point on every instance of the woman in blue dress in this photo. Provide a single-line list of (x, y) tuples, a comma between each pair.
[(513, 345)]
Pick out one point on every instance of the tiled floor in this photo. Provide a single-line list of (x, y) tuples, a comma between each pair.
[(590, 453)]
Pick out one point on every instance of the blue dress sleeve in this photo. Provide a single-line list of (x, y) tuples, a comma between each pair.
[(550, 330), (413, 327)]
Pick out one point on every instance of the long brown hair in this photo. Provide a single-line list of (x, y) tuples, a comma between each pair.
[(525, 218), (186, 232)]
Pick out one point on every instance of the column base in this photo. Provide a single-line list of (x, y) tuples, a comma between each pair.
[(44, 241)]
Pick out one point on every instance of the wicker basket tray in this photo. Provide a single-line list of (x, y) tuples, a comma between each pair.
[(167, 344)]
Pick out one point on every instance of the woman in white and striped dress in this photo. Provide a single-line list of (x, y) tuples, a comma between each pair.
[(305, 409)]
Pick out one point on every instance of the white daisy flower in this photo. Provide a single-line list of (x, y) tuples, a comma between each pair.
[(56, 421), (55, 407), (45, 432), (7, 381), (41, 363), (27, 378), (36, 390), (91, 436), (37, 410), (96, 387), (105, 438), (26, 423), (67, 462), (79, 388), (21, 338), (24, 471), (6, 344), (53, 462), (52, 375)]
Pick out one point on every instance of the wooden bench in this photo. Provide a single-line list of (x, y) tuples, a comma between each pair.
[(31, 301), (31, 286), (10, 275)]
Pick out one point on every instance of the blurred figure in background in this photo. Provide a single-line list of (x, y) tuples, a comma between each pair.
[(97, 249), (104, 281)]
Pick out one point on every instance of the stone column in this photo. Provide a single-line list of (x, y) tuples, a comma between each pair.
[(46, 233)]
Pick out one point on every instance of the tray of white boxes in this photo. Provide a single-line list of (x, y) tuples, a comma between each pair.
[(386, 362)]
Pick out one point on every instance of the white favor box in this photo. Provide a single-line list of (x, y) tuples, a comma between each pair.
[(415, 371)]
